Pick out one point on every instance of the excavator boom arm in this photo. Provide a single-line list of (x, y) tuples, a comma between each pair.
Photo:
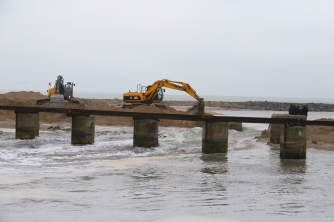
[(154, 93), (182, 86)]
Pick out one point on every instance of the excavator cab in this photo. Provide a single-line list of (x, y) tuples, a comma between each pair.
[(138, 97), (160, 95), (68, 90)]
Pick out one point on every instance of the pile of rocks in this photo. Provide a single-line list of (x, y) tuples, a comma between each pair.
[(256, 105)]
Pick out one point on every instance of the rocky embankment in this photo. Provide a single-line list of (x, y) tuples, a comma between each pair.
[(248, 105), (257, 105)]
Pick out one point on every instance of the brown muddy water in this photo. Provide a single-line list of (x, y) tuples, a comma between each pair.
[(48, 179)]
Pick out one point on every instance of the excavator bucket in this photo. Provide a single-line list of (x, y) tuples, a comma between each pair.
[(198, 108), (56, 100)]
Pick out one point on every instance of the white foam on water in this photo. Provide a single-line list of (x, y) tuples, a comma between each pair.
[(58, 181)]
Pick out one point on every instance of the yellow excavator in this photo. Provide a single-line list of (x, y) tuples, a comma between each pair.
[(154, 94), (58, 93)]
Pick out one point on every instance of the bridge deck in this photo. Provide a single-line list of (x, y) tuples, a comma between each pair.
[(189, 117)]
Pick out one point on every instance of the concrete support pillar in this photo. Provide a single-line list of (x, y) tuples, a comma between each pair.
[(277, 129), (275, 132), (145, 133), (83, 130), (27, 125), (293, 142), (215, 137)]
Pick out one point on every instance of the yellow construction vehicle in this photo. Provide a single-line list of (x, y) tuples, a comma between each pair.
[(58, 93), (154, 94)]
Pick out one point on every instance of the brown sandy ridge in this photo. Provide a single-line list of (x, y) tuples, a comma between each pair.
[(23, 98)]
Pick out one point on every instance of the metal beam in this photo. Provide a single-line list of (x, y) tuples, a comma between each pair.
[(188, 117)]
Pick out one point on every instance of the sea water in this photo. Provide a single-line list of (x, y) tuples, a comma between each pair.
[(48, 179)]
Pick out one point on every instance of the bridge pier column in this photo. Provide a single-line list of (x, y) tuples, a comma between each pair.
[(83, 130), (293, 142), (145, 133), (27, 125), (215, 137), (277, 129)]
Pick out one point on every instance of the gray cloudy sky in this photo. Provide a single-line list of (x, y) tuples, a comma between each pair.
[(229, 48)]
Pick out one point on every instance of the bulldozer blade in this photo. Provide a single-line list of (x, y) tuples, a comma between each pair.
[(197, 109), (57, 100)]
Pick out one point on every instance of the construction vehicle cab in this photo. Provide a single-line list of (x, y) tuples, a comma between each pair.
[(135, 97), (68, 90)]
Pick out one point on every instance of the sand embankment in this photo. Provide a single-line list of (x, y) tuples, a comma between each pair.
[(23, 98)]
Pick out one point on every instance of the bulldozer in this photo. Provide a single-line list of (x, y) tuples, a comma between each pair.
[(154, 93), (60, 92)]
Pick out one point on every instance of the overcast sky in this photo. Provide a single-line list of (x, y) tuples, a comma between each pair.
[(228, 48)]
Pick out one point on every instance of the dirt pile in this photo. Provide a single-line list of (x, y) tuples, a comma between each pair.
[(128, 121), (24, 98)]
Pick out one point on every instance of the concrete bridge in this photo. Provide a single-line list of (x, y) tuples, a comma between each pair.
[(287, 130)]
